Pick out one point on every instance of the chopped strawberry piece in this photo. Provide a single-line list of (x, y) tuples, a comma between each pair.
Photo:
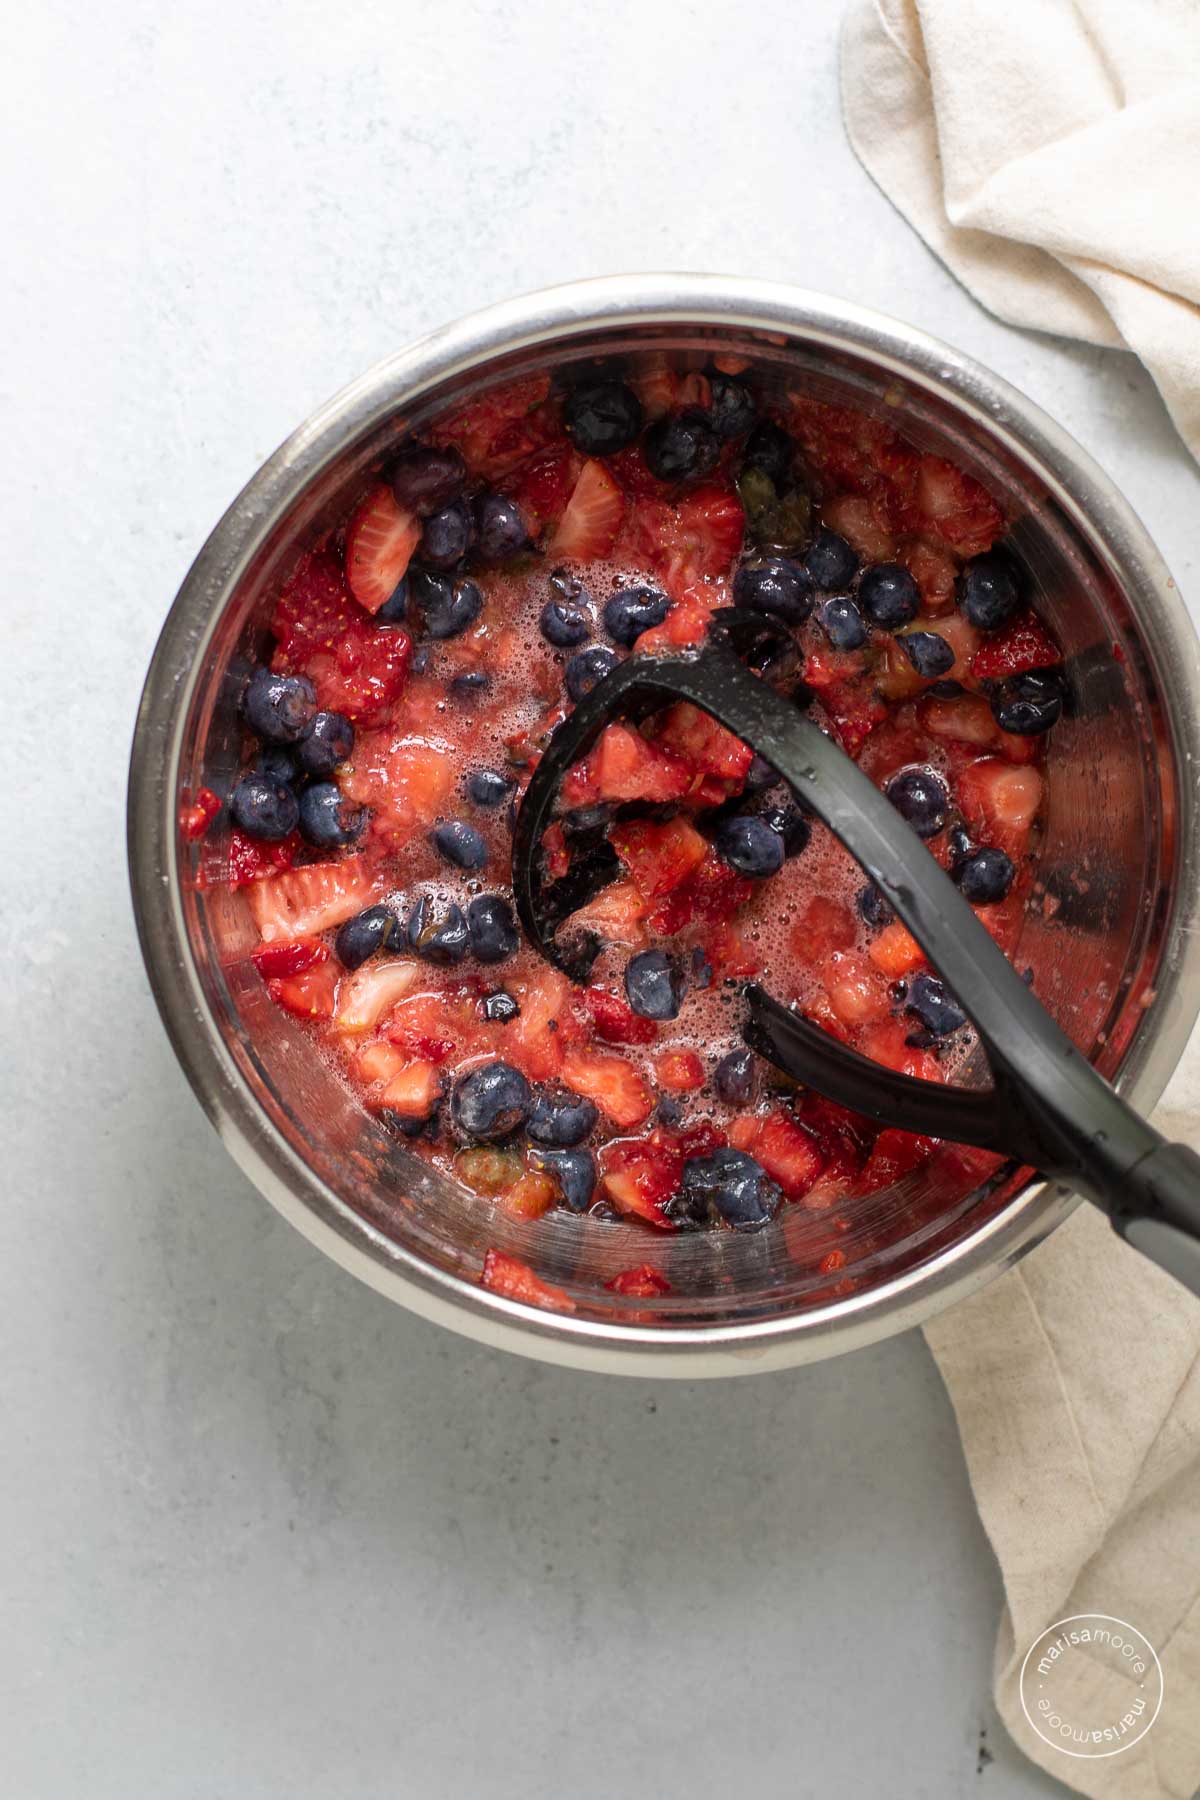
[(643, 1283), (624, 766), (657, 387), (530, 1196), (716, 891), (556, 858), (615, 1085), (729, 954), (640, 1178), (966, 719), (658, 857), (309, 995), (790, 1154), (695, 736), (679, 1072), (406, 782), (824, 925), (515, 1280), (1000, 801), (888, 1044), (856, 993), (372, 991), (379, 545), (378, 1062), (195, 819), (413, 1091), (615, 1020), (1023, 645), (536, 1039), (956, 508), (633, 473), (250, 860), (615, 915), (593, 517), (289, 959), (853, 708), (424, 1025), (896, 951), (301, 902), (895, 1153)]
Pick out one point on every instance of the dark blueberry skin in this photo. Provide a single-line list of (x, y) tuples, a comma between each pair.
[(759, 776), (405, 1124), (564, 623), (446, 606), (652, 985), (499, 528), (424, 480), (947, 690), (437, 932), (889, 596), (574, 1171), (873, 907), (394, 610), (447, 535), (633, 610), (459, 843), (561, 1121), (584, 671), (491, 1102), (733, 409), (488, 787), (989, 591), (492, 929), (602, 417), (422, 657), (831, 562), (681, 447), (278, 708), (932, 1003), (584, 824), (776, 586), (750, 845), (366, 933), (471, 685), (770, 449), (276, 763), (792, 825), (930, 654), (732, 1186), (843, 624), (921, 798), (985, 876), (1028, 704), (327, 742), (263, 808), (328, 820), (734, 1077), (499, 1008)]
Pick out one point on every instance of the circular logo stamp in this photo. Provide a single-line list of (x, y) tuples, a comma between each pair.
[(1091, 1685)]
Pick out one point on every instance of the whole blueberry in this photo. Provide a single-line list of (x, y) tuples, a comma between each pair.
[(774, 585), (574, 1171), (394, 610), (278, 708), (328, 820), (459, 843), (934, 1005), (564, 623), (920, 797), (586, 670), (652, 985), (750, 845), (277, 763), (488, 787), (471, 685), (447, 535), (437, 931), (873, 907), (792, 825), (760, 775), (771, 450), (1028, 704), (682, 446), (364, 934), (602, 417), (499, 1008), (633, 610), (732, 1186), (492, 929), (499, 528), (929, 653), (831, 562), (989, 591), (842, 622), (985, 876), (446, 606), (491, 1102), (889, 596), (263, 808), (425, 479), (327, 742), (561, 1120), (733, 409), (733, 1077)]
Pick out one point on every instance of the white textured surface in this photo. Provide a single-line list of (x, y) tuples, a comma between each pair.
[(265, 1535)]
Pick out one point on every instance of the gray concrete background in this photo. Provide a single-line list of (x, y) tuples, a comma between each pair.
[(264, 1535)]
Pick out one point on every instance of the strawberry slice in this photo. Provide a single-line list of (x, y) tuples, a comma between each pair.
[(658, 857), (643, 1283), (509, 1276), (853, 518), (372, 991), (856, 993), (302, 902), (709, 747), (379, 544), (935, 572), (615, 1020), (640, 1178), (589, 526), (615, 1085), (825, 925), (378, 1062), (624, 766), (543, 489), (308, 996), (289, 959), (1021, 646)]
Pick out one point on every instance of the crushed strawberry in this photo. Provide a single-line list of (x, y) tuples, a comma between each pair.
[(289, 959), (615, 1020), (624, 766), (515, 1280), (643, 1283), (658, 857), (250, 860), (1023, 645), (196, 817), (679, 1072), (641, 1178), (614, 1084)]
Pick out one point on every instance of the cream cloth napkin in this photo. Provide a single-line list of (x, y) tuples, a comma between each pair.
[(1049, 152)]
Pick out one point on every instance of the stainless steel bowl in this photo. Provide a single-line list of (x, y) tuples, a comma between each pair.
[(1114, 951)]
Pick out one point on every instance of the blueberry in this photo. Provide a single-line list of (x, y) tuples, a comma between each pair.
[(947, 690), (771, 450), (584, 824), (729, 1185), (776, 586), (669, 1113), (734, 1077), (424, 480), (405, 1123), (602, 417), (934, 1005), (749, 845), (873, 907), (499, 1008), (263, 808), (733, 408), (492, 928), (437, 931), (960, 843), (561, 1120), (586, 670), (760, 775), (459, 843), (491, 1102), (1028, 704), (889, 596), (652, 986), (277, 763), (422, 657), (831, 562), (928, 652), (278, 708), (487, 787), (447, 535), (364, 934), (327, 742), (448, 606), (327, 819), (985, 876), (682, 446), (633, 610), (471, 685), (843, 623), (564, 623), (574, 1171), (394, 610), (792, 826), (919, 796), (500, 529), (989, 591)]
